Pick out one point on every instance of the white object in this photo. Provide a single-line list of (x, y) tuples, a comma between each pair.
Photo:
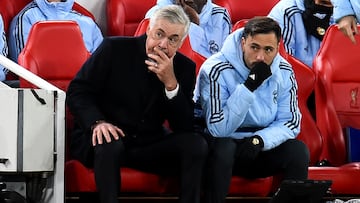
[(26, 130)]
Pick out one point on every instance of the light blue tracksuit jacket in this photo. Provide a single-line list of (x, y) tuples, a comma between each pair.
[(215, 26), (228, 106), (346, 7), (296, 40), (3, 49), (40, 10)]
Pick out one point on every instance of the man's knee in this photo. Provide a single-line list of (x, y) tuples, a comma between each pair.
[(196, 145), (222, 151), (114, 148), (300, 151)]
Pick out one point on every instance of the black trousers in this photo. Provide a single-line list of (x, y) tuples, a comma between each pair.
[(291, 159), (183, 155)]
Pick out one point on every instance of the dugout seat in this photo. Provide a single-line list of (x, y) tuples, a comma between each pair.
[(246, 9), (337, 107), (123, 16), (56, 61)]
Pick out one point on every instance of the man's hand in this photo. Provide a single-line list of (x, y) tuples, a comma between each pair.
[(347, 25), (249, 148), (190, 11), (162, 66), (105, 130), (257, 75)]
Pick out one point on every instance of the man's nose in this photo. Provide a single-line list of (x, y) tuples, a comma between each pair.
[(163, 42), (260, 56)]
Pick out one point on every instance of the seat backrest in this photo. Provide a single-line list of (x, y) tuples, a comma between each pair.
[(309, 133), (239, 24), (185, 48), (56, 61), (246, 9), (123, 16), (77, 7), (9, 8), (337, 92)]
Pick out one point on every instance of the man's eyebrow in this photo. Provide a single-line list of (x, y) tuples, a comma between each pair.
[(265, 47), (175, 35), (160, 30), (163, 31), (269, 47), (255, 44)]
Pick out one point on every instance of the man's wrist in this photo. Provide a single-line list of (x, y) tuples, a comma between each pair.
[(257, 141), (172, 93)]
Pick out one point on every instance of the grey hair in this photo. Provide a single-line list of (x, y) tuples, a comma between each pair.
[(174, 14)]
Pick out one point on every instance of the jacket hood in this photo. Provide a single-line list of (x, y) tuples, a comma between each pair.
[(205, 14), (53, 9), (300, 4)]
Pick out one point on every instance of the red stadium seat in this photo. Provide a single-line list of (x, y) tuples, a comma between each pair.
[(123, 16), (246, 9), (239, 24), (309, 133), (9, 8), (56, 61), (77, 7), (337, 107), (336, 94)]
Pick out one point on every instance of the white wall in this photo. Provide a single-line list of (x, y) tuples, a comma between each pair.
[(98, 9)]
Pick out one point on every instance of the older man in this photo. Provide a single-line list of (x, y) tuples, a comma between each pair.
[(120, 99)]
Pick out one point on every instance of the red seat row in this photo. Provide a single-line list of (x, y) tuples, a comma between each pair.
[(123, 16), (344, 175), (334, 77)]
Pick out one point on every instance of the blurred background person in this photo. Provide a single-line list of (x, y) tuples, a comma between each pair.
[(3, 49), (41, 10), (347, 15), (303, 24)]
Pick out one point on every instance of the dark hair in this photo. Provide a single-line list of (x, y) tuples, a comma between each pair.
[(262, 25)]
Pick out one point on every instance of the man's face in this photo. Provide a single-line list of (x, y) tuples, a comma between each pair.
[(259, 48), (197, 5), (164, 35)]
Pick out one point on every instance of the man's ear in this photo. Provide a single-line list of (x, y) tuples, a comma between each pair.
[(242, 41), (148, 30)]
